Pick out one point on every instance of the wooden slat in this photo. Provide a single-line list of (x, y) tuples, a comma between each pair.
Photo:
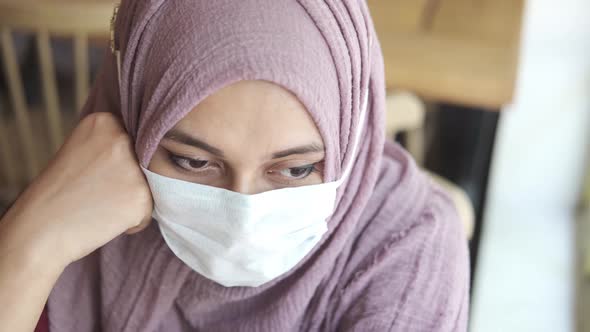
[(15, 87), (82, 69), (50, 89), (8, 161)]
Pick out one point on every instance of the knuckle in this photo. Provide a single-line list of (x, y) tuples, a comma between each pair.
[(100, 119), (121, 138), (104, 123), (120, 145), (115, 150)]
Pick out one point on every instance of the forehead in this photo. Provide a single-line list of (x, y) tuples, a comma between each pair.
[(251, 113)]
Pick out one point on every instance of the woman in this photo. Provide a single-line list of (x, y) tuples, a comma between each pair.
[(278, 205)]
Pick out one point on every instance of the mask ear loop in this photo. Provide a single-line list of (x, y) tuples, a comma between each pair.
[(113, 43)]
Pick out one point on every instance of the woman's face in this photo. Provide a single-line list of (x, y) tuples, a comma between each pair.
[(249, 137)]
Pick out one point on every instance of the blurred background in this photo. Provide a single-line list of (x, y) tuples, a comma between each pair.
[(492, 97)]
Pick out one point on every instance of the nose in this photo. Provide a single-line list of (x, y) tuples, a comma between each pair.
[(244, 184)]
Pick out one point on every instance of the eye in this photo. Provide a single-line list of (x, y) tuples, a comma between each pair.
[(298, 172), (190, 164)]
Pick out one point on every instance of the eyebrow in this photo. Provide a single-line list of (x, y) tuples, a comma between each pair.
[(310, 148), (184, 138)]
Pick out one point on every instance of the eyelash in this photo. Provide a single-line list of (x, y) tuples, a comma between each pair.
[(183, 163), (179, 160), (309, 169)]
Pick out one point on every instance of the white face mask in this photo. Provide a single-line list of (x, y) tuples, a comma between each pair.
[(243, 240), (236, 239)]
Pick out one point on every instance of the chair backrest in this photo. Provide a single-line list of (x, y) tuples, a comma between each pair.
[(28, 138), (405, 113)]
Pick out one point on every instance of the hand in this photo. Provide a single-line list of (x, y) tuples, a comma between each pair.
[(91, 192)]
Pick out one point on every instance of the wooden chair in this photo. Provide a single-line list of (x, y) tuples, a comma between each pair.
[(29, 135), (406, 113)]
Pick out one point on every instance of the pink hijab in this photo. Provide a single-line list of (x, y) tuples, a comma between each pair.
[(394, 256)]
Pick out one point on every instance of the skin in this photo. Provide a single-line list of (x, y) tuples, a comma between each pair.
[(249, 137)]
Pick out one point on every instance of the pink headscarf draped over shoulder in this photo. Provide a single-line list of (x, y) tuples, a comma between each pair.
[(394, 257)]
